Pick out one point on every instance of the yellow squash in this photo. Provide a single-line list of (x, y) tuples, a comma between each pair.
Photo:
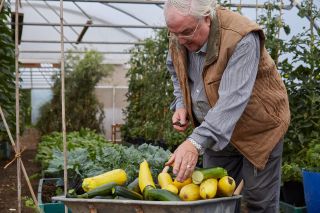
[(171, 188), (226, 186), (164, 179), (145, 177), (179, 185), (117, 176), (208, 188), (190, 192)]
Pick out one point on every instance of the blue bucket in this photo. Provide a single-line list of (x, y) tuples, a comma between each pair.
[(311, 183)]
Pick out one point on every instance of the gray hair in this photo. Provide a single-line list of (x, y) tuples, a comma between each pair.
[(196, 8)]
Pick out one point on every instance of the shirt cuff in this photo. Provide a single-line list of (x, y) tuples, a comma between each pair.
[(197, 145), (177, 103), (205, 142)]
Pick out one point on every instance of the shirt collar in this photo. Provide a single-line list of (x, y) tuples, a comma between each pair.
[(203, 49)]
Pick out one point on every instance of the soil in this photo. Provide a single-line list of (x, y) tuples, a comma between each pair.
[(48, 191), (8, 176)]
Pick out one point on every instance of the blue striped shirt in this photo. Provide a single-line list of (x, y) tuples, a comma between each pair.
[(217, 123)]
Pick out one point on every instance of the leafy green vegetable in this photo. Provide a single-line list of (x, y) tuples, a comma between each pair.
[(89, 154)]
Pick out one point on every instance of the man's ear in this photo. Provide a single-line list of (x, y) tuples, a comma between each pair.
[(207, 20)]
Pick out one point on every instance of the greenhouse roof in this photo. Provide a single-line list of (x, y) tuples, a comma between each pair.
[(111, 27)]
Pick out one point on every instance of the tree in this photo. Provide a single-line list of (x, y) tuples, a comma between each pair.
[(82, 107)]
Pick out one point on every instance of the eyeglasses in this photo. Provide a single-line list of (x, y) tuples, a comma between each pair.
[(184, 35)]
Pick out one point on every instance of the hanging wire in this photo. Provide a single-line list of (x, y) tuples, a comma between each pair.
[(46, 19), (82, 11), (55, 12)]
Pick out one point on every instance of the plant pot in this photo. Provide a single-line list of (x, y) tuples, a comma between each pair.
[(5, 150), (311, 181), (288, 208), (293, 194), (51, 207)]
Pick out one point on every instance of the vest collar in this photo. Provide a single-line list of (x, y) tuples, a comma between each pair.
[(214, 40)]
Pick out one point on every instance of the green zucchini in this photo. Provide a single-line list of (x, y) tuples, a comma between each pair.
[(134, 186), (71, 193), (103, 190), (161, 195), (127, 193), (145, 191), (202, 174)]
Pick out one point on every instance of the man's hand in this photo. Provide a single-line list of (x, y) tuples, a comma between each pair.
[(179, 120), (184, 160)]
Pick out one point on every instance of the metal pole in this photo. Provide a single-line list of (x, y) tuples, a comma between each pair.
[(286, 7), (85, 42), (256, 10), (115, 1), (92, 25), (73, 52)]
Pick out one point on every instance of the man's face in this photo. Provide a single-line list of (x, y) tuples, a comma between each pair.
[(190, 31)]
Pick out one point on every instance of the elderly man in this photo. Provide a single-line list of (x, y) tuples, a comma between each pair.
[(228, 87)]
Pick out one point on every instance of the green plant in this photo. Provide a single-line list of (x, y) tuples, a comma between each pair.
[(313, 156), (89, 154), (150, 94), (82, 107), (7, 80), (29, 203), (272, 23), (7, 76), (301, 72)]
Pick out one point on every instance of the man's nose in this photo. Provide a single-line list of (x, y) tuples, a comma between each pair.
[(182, 41)]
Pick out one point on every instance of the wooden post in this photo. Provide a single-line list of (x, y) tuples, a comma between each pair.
[(114, 129)]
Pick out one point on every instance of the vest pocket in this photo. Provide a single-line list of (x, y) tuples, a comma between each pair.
[(257, 117)]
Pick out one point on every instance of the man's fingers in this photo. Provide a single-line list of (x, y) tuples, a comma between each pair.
[(171, 160), (190, 167), (187, 166), (177, 162), (180, 129), (182, 170)]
